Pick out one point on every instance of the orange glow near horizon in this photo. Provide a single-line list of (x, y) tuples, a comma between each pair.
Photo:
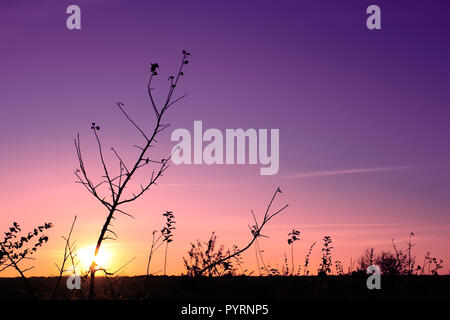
[(357, 217)]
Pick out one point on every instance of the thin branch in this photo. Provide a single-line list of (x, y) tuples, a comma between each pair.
[(121, 161), (120, 105), (113, 194)]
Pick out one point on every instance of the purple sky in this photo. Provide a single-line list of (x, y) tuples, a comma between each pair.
[(343, 97)]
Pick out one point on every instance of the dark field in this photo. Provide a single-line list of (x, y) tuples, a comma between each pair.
[(236, 288)]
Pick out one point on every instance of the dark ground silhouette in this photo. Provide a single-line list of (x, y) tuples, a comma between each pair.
[(241, 287)]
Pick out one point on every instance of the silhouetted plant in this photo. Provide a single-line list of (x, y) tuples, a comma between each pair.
[(433, 264), (15, 248), (339, 268), (69, 255), (398, 262), (164, 236), (294, 235), (156, 244), (390, 264), (117, 183), (194, 269), (285, 271), (273, 271), (411, 259), (350, 266), (305, 269), (366, 260), (202, 255), (259, 257), (239, 260), (325, 265), (436, 265), (397, 266), (167, 233), (299, 270)]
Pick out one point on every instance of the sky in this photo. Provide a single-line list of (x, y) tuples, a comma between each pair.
[(362, 114)]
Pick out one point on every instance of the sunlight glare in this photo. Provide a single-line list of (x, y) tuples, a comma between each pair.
[(86, 255)]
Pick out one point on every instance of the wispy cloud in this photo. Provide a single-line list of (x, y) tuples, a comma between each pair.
[(200, 184), (346, 171)]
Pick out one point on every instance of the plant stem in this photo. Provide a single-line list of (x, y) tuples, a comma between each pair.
[(165, 258), (292, 256)]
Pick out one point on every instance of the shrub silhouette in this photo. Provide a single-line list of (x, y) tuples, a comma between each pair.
[(432, 264), (16, 248), (399, 261), (205, 261), (390, 264), (325, 265), (202, 255)]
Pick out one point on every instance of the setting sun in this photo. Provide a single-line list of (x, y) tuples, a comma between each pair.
[(86, 255)]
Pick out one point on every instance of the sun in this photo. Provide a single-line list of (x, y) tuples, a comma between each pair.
[(86, 255)]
